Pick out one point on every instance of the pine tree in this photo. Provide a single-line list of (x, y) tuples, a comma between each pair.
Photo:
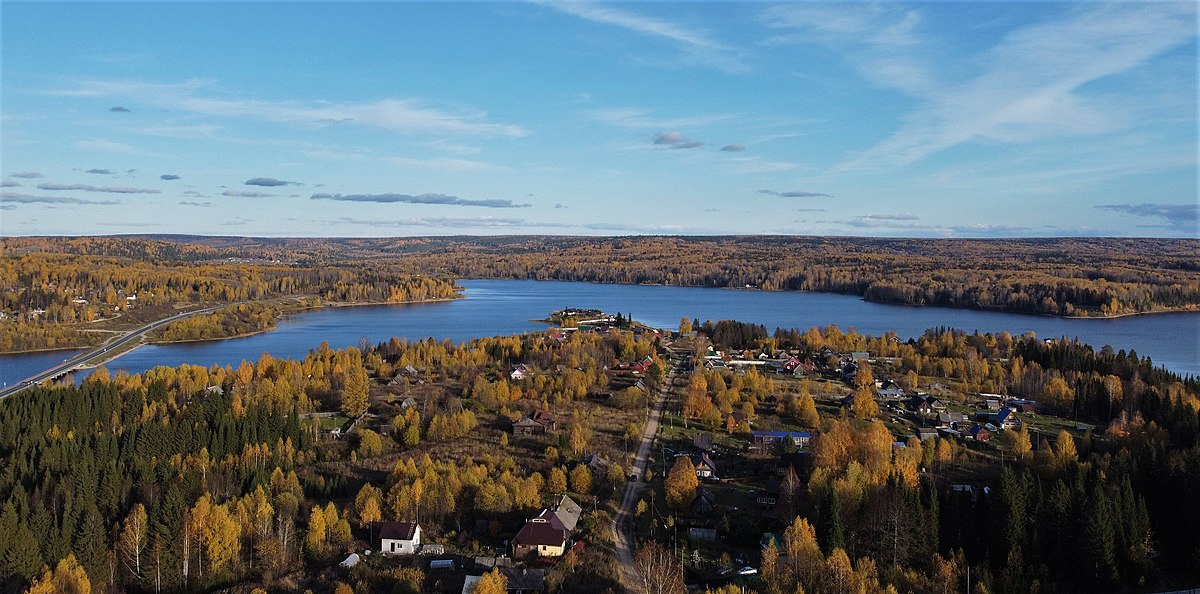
[(24, 561), (91, 543), (1099, 561), (832, 531)]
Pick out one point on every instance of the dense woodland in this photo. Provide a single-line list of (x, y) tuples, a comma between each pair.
[(190, 479), (1058, 276)]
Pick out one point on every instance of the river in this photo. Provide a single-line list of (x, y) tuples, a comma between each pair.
[(501, 307)]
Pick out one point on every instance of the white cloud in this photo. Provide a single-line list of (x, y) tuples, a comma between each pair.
[(404, 116), (1030, 86), (607, 14)]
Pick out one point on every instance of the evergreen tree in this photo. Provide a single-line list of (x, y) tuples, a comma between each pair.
[(832, 529), (24, 561), (91, 544), (1098, 558)]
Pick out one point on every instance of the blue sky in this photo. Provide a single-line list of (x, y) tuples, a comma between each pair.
[(947, 119)]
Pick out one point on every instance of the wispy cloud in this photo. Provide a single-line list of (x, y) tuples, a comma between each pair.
[(454, 222), (119, 109), (168, 177), (443, 199), (246, 194), (1030, 86), (90, 188), (760, 165), (27, 175), (200, 204), (904, 216), (1183, 217), (630, 117), (107, 146), (796, 194), (10, 183), (406, 116), (637, 229), (609, 15), (14, 198), (447, 164), (100, 171), (676, 140), (733, 148), (269, 182)]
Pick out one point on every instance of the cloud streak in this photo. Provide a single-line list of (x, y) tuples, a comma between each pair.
[(733, 148), (640, 119), (1184, 217), (454, 222), (13, 198), (1031, 85), (796, 194), (269, 182), (246, 194), (168, 177), (608, 15), (90, 188), (403, 116), (27, 175), (441, 199)]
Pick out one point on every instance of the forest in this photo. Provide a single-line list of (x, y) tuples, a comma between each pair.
[(195, 479), (1054, 276), (191, 479)]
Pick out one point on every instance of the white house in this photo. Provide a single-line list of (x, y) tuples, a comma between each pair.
[(521, 372), (399, 538)]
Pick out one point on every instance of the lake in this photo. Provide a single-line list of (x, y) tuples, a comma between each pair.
[(502, 307)]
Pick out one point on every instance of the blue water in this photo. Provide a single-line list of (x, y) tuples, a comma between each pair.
[(501, 307)]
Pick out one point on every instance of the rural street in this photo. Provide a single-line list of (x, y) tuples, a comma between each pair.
[(622, 539)]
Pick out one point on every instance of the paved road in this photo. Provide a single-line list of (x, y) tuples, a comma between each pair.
[(79, 359), (625, 516)]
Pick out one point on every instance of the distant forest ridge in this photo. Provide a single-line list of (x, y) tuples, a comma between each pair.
[(1092, 276)]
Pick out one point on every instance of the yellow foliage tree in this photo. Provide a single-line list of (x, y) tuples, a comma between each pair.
[(1064, 448), (68, 577), (492, 582), (355, 391), (558, 480), (864, 403), (808, 415), (681, 483), (581, 479)]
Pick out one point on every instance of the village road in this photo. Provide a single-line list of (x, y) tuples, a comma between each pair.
[(623, 523)]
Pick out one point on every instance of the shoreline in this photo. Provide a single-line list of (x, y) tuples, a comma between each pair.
[(144, 342), (1189, 309)]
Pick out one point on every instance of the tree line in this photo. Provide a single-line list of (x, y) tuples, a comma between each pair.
[(1055, 276)]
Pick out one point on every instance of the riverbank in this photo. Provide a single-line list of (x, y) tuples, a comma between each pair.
[(112, 356)]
